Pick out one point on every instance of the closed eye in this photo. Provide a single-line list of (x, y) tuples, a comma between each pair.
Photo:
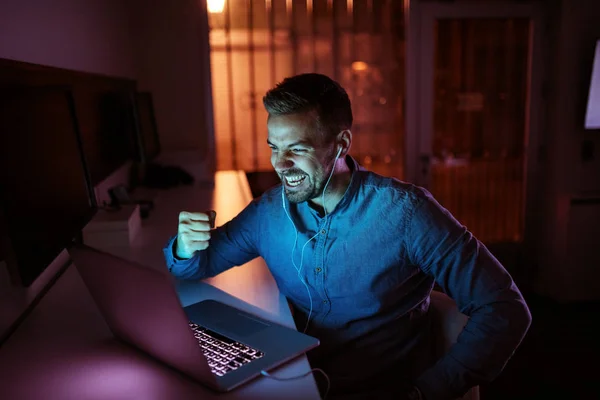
[(299, 151)]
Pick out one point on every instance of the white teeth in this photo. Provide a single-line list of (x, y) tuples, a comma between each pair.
[(294, 180)]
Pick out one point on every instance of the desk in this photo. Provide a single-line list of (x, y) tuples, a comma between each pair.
[(64, 349)]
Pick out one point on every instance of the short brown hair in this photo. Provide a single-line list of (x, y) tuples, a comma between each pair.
[(312, 92)]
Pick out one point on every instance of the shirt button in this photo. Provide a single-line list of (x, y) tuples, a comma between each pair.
[(318, 269), (323, 231), (325, 302)]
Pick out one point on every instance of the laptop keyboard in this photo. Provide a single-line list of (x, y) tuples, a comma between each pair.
[(223, 354)]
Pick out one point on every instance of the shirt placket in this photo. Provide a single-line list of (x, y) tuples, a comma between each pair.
[(319, 266)]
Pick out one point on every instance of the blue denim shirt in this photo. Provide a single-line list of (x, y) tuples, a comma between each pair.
[(370, 269)]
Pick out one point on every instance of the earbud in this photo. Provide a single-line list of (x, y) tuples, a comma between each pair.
[(339, 152)]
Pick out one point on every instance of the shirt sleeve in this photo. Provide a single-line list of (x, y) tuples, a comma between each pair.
[(482, 289), (232, 244)]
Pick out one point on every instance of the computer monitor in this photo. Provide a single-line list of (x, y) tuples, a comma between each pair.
[(108, 131), (146, 127), (45, 194), (592, 115)]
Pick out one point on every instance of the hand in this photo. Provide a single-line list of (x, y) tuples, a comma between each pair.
[(414, 394), (193, 232), (407, 391)]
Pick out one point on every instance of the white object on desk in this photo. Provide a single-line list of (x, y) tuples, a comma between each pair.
[(113, 228)]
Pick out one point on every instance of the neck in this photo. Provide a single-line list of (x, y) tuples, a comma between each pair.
[(336, 188)]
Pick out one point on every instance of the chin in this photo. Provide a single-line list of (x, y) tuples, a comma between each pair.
[(300, 196), (296, 197)]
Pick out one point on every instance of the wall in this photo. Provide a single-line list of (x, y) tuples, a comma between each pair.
[(562, 274), (84, 35), (172, 53)]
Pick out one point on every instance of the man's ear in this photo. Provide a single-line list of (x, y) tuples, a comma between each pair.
[(344, 140)]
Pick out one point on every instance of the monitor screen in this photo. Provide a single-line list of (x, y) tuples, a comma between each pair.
[(107, 131), (45, 195), (592, 115), (147, 129)]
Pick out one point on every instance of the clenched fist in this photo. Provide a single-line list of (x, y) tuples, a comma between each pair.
[(193, 232)]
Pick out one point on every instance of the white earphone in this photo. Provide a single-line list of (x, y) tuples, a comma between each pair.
[(299, 269)]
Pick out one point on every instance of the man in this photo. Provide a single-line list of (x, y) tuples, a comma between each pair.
[(357, 255)]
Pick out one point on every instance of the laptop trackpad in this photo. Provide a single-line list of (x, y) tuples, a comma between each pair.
[(241, 325)]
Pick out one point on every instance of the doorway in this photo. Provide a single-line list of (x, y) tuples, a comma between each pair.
[(472, 111)]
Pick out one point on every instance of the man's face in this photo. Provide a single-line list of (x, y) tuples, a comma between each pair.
[(299, 155)]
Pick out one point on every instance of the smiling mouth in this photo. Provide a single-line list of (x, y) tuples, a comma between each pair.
[(294, 180)]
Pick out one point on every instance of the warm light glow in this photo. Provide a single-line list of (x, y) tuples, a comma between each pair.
[(215, 6), (360, 66)]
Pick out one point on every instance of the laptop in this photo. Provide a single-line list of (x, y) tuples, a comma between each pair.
[(217, 345)]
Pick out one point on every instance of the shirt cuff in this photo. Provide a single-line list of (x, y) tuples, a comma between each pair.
[(182, 269)]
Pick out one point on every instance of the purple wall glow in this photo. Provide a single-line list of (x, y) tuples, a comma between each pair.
[(83, 35)]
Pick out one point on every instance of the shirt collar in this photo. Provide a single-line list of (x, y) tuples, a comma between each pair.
[(352, 186)]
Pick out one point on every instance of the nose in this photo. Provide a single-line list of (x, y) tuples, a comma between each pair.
[(281, 161)]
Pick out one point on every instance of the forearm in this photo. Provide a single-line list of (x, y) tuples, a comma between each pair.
[(231, 244), (487, 342), (482, 290), (221, 255)]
